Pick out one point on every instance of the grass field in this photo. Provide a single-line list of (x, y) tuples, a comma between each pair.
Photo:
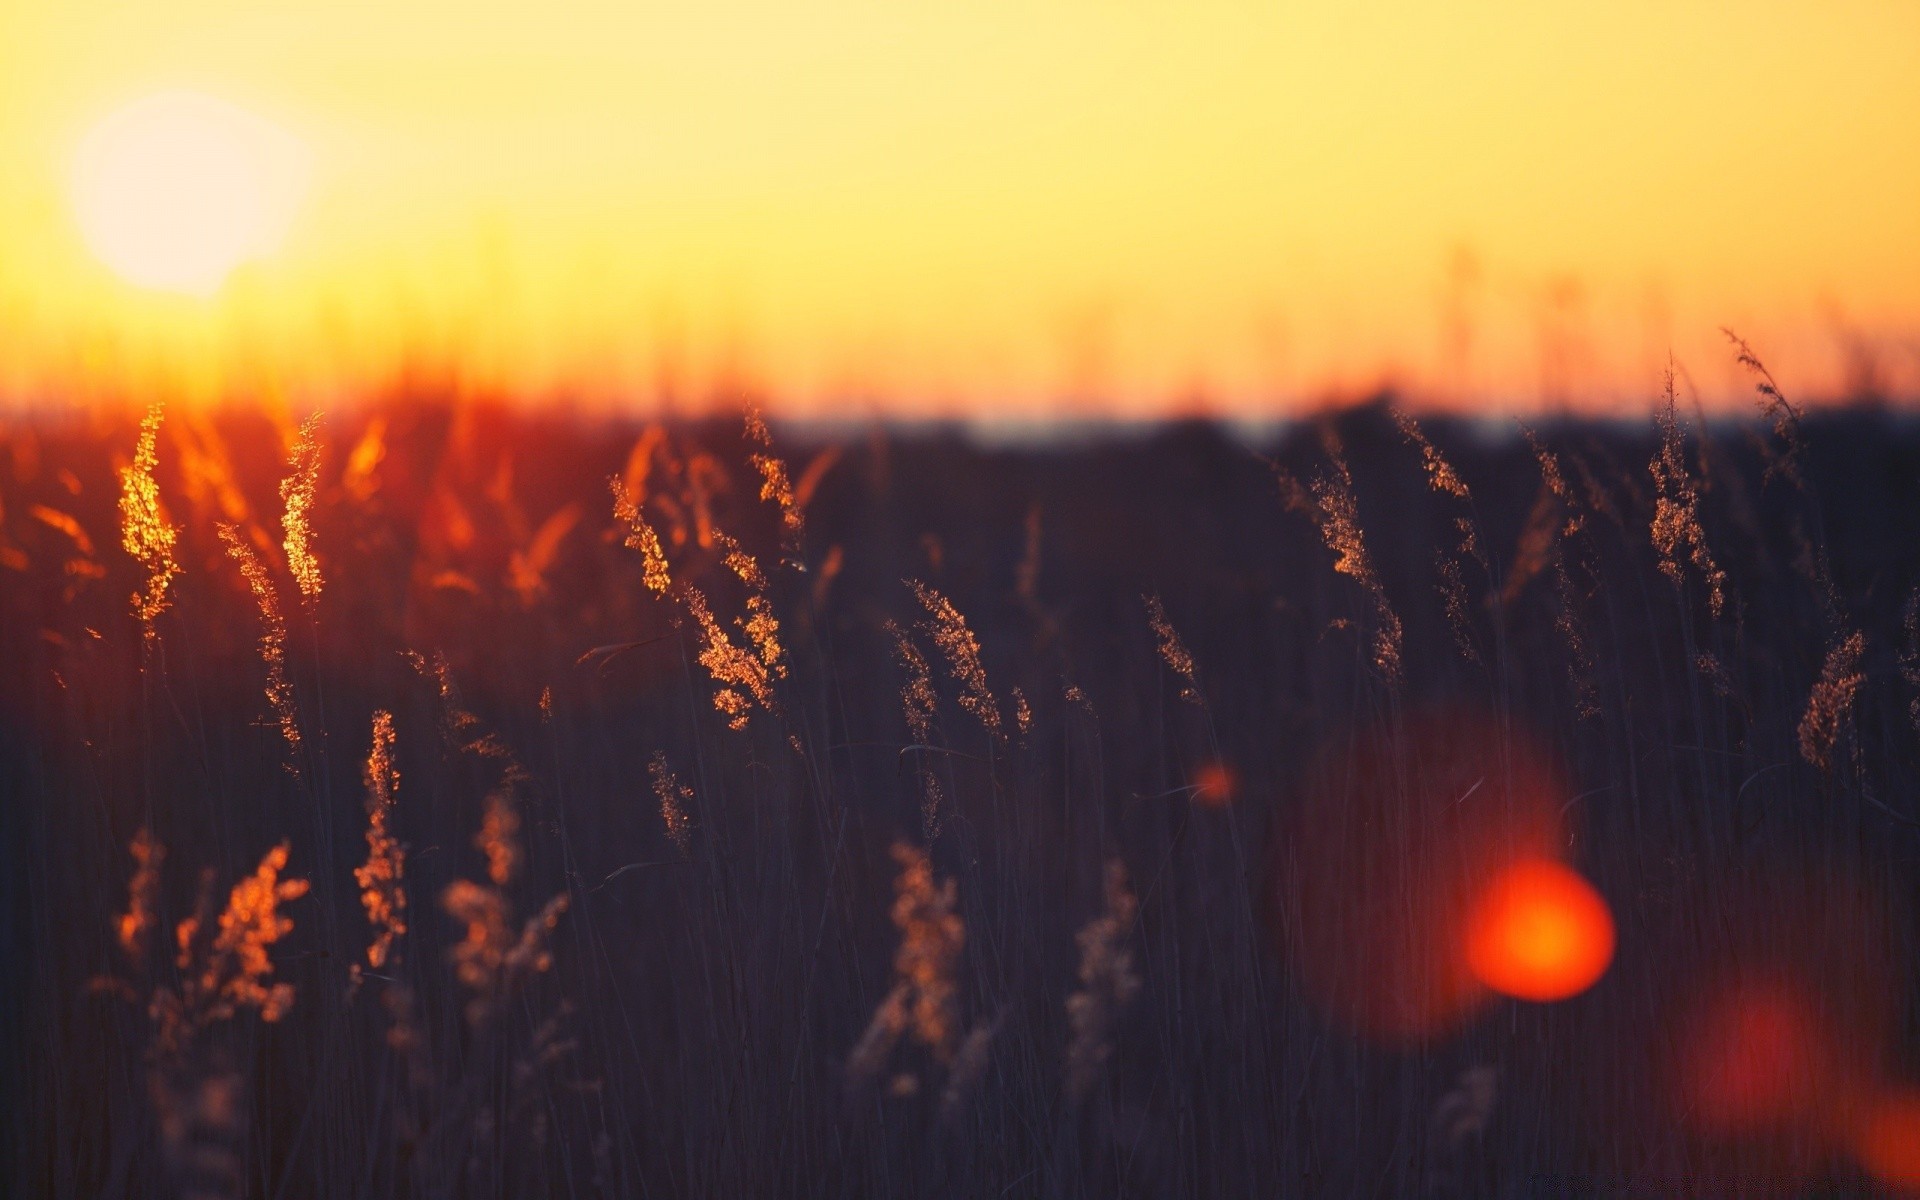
[(892, 815)]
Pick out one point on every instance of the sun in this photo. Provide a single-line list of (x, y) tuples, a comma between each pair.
[(177, 189)]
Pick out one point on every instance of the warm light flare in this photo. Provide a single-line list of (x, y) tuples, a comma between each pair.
[(176, 190), (1540, 932)]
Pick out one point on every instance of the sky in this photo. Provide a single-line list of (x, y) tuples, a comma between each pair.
[(1029, 209)]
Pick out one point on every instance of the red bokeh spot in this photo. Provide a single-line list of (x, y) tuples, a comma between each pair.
[(1539, 932), (1760, 1059), (1214, 785), (1889, 1141)]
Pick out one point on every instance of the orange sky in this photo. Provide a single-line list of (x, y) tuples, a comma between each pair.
[(1013, 208)]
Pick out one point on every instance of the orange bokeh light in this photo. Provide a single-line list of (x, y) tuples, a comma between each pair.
[(1392, 840), (1539, 932)]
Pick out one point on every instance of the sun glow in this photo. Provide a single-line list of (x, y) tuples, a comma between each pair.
[(996, 209), (177, 189)]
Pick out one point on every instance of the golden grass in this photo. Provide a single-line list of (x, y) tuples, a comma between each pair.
[(1328, 499), (924, 1000), (1783, 459), (962, 652), (1173, 652), (134, 928), (381, 878), (742, 677), (1831, 701), (1677, 533), (297, 494), (231, 969), (641, 536), (774, 485), (273, 633), (145, 532)]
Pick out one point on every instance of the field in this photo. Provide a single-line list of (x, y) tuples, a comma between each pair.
[(889, 814)]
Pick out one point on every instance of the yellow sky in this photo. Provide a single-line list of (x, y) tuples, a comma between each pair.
[(1037, 208)]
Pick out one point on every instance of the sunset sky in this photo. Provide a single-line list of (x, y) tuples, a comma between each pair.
[(1019, 209)]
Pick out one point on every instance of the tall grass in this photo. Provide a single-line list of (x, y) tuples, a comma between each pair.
[(702, 858)]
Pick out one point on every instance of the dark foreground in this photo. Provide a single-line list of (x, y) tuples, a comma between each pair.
[(649, 954)]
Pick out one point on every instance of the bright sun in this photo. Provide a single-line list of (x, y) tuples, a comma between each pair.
[(177, 189)]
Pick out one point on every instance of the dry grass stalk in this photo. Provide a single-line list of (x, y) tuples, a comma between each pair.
[(1546, 541), (64, 523), (489, 960), (640, 461), (1453, 596), (1330, 502), (774, 485), (1107, 984), (931, 938), (1573, 632), (134, 928), (273, 633), (382, 890), (675, 797), (1783, 461), (1440, 473), (1553, 519), (829, 571), (739, 673), (206, 469), (144, 531), (1022, 712), (457, 726), (200, 1111), (889, 1023), (297, 493), (811, 478), (1715, 673), (1831, 701), (1459, 1123), (499, 835), (917, 698), (641, 537), (970, 1065), (1445, 481), (761, 627), (1676, 516), (233, 970), (527, 568), (1173, 652), (923, 1001), (704, 478), (1555, 481), (949, 631), (917, 704)]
